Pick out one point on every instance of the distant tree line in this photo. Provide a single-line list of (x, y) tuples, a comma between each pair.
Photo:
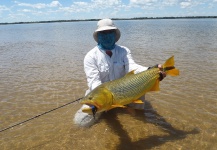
[(136, 18), (186, 17)]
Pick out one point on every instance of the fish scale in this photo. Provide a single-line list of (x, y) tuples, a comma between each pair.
[(132, 86)]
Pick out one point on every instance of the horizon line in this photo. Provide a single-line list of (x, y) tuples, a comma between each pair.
[(134, 18)]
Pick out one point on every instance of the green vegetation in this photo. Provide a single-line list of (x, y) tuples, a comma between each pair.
[(136, 18)]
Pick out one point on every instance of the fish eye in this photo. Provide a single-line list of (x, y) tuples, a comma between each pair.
[(90, 98)]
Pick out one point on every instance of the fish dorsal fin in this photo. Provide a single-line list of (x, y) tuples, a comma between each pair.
[(130, 73), (156, 86)]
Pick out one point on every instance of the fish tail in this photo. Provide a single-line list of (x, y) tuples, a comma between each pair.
[(169, 67)]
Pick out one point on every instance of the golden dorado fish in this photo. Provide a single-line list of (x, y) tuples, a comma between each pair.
[(126, 90)]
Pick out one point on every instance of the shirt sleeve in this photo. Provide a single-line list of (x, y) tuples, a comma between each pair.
[(131, 65), (92, 72)]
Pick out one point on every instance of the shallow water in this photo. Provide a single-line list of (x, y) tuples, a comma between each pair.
[(41, 68)]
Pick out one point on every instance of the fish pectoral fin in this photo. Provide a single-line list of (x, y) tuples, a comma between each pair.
[(156, 86), (87, 110), (114, 106), (138, 101)]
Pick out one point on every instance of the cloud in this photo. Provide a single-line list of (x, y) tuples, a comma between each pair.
[(169, 2), (156, 4), (55, 4), (94, 5), (17, 15), (39, 5), (26, 10), (81, 3), (105, 8), (192, 3), (106, 3), (185, 4), (142, 2), (3, 8)]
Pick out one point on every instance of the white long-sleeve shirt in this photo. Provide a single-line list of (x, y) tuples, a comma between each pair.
[(100, 68)]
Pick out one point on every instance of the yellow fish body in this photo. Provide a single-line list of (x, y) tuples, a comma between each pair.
[(127, 89)]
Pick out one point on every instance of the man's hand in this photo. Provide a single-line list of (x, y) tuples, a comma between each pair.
[(162, 73)]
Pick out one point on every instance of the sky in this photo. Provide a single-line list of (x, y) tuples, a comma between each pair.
[(46, 10)]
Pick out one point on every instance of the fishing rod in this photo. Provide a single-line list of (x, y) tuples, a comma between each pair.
[(39, 115)]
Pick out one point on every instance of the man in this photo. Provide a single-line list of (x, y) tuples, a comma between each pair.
[(106, 62)]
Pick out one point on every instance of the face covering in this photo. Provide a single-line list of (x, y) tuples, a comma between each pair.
[(106, 41)]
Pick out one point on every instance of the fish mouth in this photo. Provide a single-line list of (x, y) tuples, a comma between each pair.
[(90, 105), (92, 109)]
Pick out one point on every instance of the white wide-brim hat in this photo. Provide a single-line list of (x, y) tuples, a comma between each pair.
[(106, 24)]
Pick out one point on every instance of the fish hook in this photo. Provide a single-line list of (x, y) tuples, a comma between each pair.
[(94, 110)]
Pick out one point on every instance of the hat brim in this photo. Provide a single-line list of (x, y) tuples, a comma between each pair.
[(106, 28), (117, 32)]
